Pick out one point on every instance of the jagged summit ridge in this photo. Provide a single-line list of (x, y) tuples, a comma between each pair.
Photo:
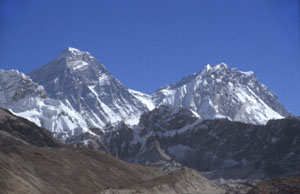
[(74, 59), (221, 92), (70, 52), (219, 66)]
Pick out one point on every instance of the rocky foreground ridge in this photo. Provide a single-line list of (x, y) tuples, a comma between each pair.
[(32, 161), (219, 148)]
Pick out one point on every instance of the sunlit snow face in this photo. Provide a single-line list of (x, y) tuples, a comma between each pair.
[(78, 65), (221, 92)]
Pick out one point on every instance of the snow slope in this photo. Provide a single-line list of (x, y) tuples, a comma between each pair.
[(221, 92), (29, 100), (144, 98)]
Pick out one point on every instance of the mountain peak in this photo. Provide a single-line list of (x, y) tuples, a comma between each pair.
[(220, 67), (83, 83), (223, 70), (74, 59), (71, 53), (221, 92)]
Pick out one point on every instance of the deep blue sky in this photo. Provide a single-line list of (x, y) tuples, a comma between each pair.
[(147, 44)]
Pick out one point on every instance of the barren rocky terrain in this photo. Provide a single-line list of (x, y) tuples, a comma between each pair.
[(277, 186), (32, 162)]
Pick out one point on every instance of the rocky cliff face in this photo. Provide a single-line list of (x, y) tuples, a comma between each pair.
[(19, 131), (219, 148)]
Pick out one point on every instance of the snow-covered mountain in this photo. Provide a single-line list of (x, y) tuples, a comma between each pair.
[(82, 83), (87, 103), (25, 98), (221, 92)]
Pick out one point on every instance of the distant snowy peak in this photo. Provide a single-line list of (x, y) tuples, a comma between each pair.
[(84, 84), (27, 99), (221, 92)]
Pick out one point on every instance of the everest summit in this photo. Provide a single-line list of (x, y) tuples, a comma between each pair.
[(82, 83)]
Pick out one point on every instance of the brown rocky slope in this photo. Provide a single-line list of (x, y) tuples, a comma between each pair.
[(31, 161), (277, 186)]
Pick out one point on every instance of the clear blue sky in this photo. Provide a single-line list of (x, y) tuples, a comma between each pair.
[(147, 44)]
